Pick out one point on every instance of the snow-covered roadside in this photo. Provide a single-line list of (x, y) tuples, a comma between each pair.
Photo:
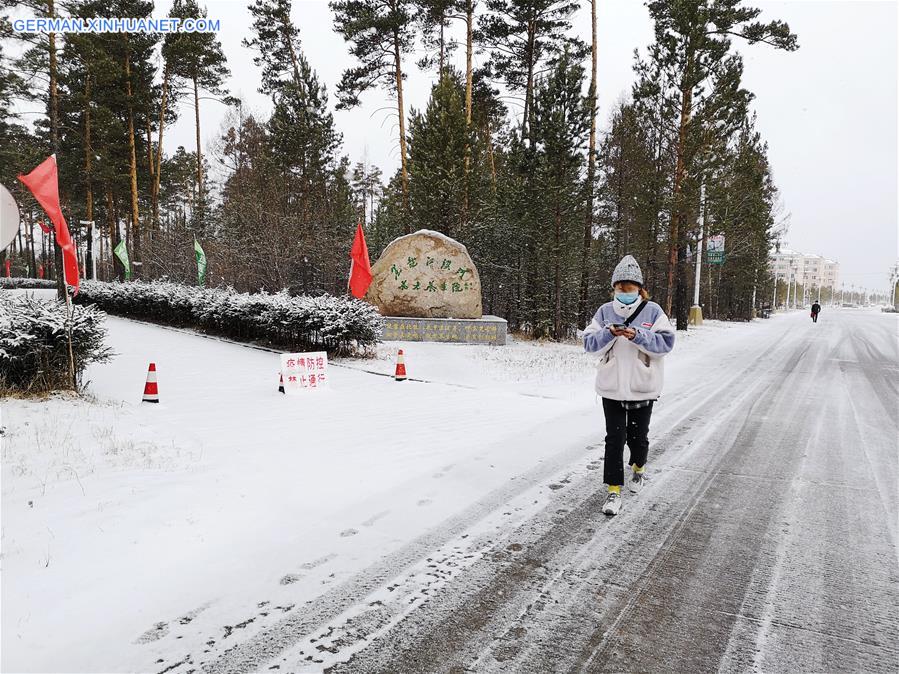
[(549, 369), (118, 517)]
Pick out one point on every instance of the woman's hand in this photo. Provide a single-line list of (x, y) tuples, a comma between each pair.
[(630, 333)]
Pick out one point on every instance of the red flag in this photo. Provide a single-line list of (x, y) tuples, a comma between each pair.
[(360, 269), (8, 264), (43, 226), (43, 182)]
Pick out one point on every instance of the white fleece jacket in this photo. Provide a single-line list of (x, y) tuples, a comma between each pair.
[(630, 369)]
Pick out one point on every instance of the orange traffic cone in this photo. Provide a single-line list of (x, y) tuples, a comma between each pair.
[(281, 383), (151, 392), (400, 367)]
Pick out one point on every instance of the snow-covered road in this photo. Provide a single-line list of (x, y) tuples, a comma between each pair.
[(765, 542), (426, 526)]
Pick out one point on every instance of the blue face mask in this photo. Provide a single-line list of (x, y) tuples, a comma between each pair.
[(627, 298)]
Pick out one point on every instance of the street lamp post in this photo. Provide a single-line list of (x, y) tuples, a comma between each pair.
[(789, 288), (696, 310), (774, 301)]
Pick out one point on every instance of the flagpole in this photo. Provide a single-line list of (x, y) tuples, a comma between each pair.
[(70, 317), (350, 279)]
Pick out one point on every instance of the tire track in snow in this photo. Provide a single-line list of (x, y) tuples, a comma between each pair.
[(693, 578), (471, 618), (803, 609), (286, 632), (502, 586), (676, 414)]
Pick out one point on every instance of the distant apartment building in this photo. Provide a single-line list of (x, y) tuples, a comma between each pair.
[(807, 270)]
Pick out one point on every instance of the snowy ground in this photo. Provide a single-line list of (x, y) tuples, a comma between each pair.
[(231, 528)]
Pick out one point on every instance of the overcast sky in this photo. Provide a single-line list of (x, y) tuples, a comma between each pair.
[(828, 111)]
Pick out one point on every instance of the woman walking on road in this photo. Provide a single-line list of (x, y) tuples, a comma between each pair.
[(632, 336)]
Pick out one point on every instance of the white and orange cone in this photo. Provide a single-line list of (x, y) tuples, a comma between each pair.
[(400, 374), (281, 383), (151, 392)]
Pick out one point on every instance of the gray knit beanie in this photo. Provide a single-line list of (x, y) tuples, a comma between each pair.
[(627, 270)]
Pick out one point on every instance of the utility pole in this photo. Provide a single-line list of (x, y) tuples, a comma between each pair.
[(696, 310), (774, 301), (789, 286)]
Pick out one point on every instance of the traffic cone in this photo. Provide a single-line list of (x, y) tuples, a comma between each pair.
[(281, 383), (151, 392), (400, 374)]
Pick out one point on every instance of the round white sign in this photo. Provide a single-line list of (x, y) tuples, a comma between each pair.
[(9, 218)]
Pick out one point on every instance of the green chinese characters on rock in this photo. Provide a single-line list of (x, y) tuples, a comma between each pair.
[(442, 285)]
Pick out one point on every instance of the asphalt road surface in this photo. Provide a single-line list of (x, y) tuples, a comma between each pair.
[(765, 540)]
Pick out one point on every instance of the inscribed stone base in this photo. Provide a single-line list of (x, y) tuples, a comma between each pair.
[(484, 330)]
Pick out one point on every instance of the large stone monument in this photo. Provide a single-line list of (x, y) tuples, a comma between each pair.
[(428, 289)]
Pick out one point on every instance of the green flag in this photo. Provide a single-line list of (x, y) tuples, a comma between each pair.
[(201, 262), (121, 252)]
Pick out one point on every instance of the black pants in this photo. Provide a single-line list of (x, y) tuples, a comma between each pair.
[(630, 426), (814, 318)]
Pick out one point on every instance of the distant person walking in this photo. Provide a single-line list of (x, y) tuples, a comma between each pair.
[(816, 309), (632, 335)]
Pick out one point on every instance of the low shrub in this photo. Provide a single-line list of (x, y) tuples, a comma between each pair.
[(34, 349), (13, 283), (339, 325)]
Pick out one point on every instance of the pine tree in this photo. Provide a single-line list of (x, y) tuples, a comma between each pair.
[(18, 148), (561, 129), (197, 58), (41, 58), (589, 212), (367, 188), (433, 18), (438, 138), (521, 36), (693, 49), (632, 188), (314, 208), (740, 204), (381, 33)]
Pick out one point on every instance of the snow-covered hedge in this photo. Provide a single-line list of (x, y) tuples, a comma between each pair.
[(34, 349), (29, 283), (339, 325)]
